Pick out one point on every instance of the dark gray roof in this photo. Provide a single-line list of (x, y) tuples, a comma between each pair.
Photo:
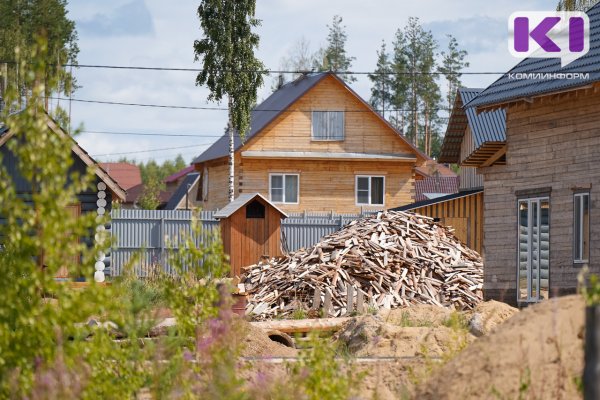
[(241, 201), (485, 126), (437, 200), (506, 89), (181, 191), (264, 113)]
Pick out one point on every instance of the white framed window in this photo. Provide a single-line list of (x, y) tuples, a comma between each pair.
[(533, 266), (284, 188), (328, 125), (370, 190), (581, 227)]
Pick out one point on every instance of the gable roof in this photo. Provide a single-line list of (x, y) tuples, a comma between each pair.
[(240, 202), (126, 174), (485, 126), (179, 174), (182, 190), (506, 90), (278, 102), (435, 184), (83, 155)]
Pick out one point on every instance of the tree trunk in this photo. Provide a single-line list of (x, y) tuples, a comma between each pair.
[(231, 156)]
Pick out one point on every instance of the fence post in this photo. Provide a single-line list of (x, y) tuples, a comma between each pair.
[(162, 243), (591, 371)]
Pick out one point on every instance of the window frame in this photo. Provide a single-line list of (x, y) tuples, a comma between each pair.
[(312, 130), (283, 175), (576, 195), (356, 177)]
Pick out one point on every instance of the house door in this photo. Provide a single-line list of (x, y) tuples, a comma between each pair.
[(533, 272), (73, 263)]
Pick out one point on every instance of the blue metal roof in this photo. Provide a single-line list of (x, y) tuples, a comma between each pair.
[(506, 89), (264, 113), (485, 126), (181, 191)]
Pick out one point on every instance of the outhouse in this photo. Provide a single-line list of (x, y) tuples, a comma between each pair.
[(250, 230)]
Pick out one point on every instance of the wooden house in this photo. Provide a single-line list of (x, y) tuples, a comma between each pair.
[(250, 230), (469, 136), (541, 184), (314, 145), (98, 198)]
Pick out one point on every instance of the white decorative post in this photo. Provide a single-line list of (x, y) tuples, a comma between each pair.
[(100, 232)]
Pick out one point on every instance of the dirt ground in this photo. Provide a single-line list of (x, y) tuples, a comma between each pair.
[(396, 350), (537, 354)]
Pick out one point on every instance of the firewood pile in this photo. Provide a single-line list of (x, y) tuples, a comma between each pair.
[(393, 259)]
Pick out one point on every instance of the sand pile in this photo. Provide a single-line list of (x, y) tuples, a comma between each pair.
[(537, 353)]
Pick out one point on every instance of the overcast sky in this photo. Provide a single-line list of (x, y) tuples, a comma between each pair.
[(161, 33)]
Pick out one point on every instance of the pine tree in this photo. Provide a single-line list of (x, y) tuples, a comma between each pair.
[(453, 62), (229, 66), (381, 92), (334, 57), (400, 82)]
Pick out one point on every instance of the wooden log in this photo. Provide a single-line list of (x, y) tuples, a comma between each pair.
[(302, 325)]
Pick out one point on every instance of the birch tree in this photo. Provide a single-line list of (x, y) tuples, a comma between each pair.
[(230, 68)]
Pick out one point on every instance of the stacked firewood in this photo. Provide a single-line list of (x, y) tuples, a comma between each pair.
[(393, 259)]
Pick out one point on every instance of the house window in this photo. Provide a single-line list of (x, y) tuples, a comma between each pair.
[(581, 227), (370, 190), (328, 125), (284, 188), (534, 249)]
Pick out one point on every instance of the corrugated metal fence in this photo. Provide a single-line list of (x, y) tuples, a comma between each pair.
[(150, 234)]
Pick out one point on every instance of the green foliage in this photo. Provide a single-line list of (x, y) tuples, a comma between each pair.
[(333, 57), (299, 313), (456, 321), (21, 21), (381, 92), (590, 289), (229, 66), (318, 374), (150, 197), (453, 61)]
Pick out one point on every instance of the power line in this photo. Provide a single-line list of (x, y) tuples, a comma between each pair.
[(149, 151), (266, 71), (117, 103), (152, 134)]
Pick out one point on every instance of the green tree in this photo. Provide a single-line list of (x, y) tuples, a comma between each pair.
[(23, 20), (150, 197), (575, 5), (382, 80), (229, 67), (333, 57), (453, 61), (415, 85)]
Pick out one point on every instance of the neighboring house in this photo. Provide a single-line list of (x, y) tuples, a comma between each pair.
[(435, 186), (172, 182), (126, 174), (314, 145), (98, 198), (542, 199), (134, 194), (473, 139), (185, 196)]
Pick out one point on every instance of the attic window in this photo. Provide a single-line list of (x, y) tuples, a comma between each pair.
[(255, 210), (328, 125)]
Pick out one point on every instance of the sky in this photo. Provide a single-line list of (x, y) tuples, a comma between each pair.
[(158, 33)]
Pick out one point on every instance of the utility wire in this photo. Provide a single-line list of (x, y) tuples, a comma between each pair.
[(149, 151), (117, 103), (267, 71), (152, 134)]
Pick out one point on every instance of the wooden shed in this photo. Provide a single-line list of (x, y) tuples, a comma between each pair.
[(462, 211), (250, 229)]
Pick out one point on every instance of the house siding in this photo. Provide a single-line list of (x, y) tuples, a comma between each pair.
[(469, 177), (552, 143), (325, 185)]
